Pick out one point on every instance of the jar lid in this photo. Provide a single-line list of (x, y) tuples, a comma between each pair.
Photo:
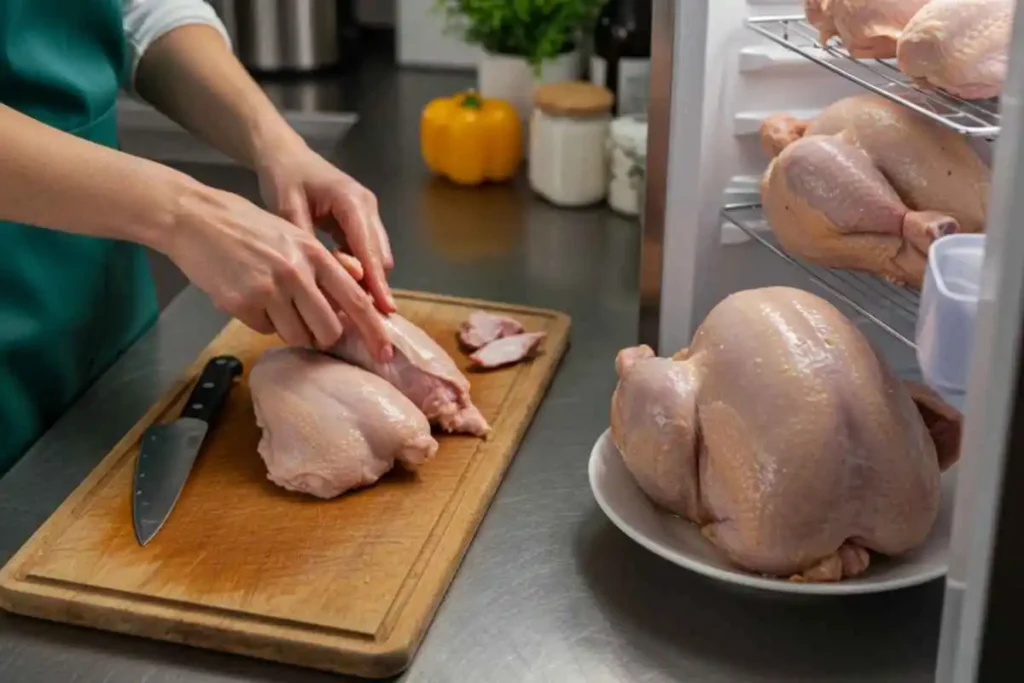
[(630, 132), (573, 98)]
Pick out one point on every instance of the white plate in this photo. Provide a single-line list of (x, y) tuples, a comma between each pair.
[(681, 542)]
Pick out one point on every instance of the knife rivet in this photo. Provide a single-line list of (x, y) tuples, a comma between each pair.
[(219, 361), (207, 385), (197, 406)]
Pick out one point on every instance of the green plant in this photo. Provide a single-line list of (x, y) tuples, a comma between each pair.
[(537, 30)]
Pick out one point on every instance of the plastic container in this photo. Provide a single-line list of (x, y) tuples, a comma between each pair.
[(949, 304)]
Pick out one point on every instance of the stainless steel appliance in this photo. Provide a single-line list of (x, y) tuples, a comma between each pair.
[(285, 35)]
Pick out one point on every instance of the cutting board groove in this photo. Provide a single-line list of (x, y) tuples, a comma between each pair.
[(348, 585)]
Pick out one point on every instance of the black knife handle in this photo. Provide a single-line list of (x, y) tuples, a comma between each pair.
[(212, 388)]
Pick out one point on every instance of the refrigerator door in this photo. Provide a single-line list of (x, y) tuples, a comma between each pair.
[(976, 636)]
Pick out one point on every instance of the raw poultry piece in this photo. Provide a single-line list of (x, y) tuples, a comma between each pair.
[(961, 46), (868, 29), (481, 328), (931, 167), (785, 437), (843, 183), (421, 370), (827, 203), (329, 427), (507, 350)]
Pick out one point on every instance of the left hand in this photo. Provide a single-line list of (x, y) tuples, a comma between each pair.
[(302, 187)]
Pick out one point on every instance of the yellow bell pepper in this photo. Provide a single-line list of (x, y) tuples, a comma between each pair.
[(470, 140)]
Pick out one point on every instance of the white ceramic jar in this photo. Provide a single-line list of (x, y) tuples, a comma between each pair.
[(627, 157), (568, 138)]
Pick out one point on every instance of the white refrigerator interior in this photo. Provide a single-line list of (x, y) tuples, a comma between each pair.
[(715, 77)]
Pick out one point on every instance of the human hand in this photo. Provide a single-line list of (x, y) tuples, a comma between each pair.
[(301, 186), (270, 274)]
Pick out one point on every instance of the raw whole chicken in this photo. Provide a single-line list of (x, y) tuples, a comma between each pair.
[(482, 328), (328, 426), (421, 370), (785, 437), (507, 350), (869, 29), (961, 46), (868, 185)]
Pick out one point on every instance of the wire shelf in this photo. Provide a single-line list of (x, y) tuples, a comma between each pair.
[(891, 307), (978, 118)]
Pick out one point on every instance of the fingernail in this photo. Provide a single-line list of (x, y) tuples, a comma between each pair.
[(388, 353)]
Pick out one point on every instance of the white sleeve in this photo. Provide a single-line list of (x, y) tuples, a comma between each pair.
[(147, 20)]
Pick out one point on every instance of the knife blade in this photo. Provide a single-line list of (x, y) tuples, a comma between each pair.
[(168, 451)]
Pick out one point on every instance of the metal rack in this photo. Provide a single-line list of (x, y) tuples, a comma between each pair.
[(891, 307), (975, 118)]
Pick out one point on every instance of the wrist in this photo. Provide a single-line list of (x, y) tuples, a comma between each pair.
[(272, 138), (189, 211)]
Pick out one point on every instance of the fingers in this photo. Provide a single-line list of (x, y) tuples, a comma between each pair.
[(355, 220), (350, 263), (288, 323), (257, 321), (318, 316), (295, 209), (387, 257), (357, 307)]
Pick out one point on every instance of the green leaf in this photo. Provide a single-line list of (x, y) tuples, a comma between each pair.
[(537, 30)]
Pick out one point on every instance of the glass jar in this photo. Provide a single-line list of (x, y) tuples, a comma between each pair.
[(568, 138), (627, 156)]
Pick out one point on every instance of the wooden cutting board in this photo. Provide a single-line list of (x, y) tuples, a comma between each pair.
[(348, 585)]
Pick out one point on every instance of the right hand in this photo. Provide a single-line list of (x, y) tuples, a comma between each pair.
[(271, 274)]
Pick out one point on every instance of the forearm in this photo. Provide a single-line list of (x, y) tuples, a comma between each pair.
[(55, 180), (192, 76)]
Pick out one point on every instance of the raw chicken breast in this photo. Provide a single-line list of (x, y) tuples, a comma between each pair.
[(961, 46), (784, 435), (329, 427), (869, 29), (507, 350), (869, 185), (481, 328), (421, 370)]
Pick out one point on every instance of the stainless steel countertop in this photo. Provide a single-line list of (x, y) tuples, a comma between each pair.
[(549, 591)]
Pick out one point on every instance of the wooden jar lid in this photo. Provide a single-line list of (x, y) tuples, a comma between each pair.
[(573, 98)]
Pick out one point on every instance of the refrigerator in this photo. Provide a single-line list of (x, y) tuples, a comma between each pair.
[(717, 70)]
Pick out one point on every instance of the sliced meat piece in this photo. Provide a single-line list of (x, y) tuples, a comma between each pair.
[(421, 370), (329, 427), (482, 328), (507, 350)]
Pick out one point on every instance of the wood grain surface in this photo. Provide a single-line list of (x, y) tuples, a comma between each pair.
[(347, 585)]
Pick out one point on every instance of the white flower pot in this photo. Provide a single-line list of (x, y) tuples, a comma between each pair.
[(510, 78)]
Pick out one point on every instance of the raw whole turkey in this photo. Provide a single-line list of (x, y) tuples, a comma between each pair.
[(421, 370), (869, 185), (785, 437), (869, 29), (961, 46), (329, 427)]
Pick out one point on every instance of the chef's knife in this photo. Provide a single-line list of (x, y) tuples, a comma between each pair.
[(168, 451)]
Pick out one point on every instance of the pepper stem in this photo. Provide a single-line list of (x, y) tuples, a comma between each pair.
[(472, 100)]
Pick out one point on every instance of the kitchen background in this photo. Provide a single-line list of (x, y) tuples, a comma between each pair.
[(325, 80)]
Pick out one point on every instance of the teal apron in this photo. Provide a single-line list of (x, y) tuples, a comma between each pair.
[(69, 305)]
